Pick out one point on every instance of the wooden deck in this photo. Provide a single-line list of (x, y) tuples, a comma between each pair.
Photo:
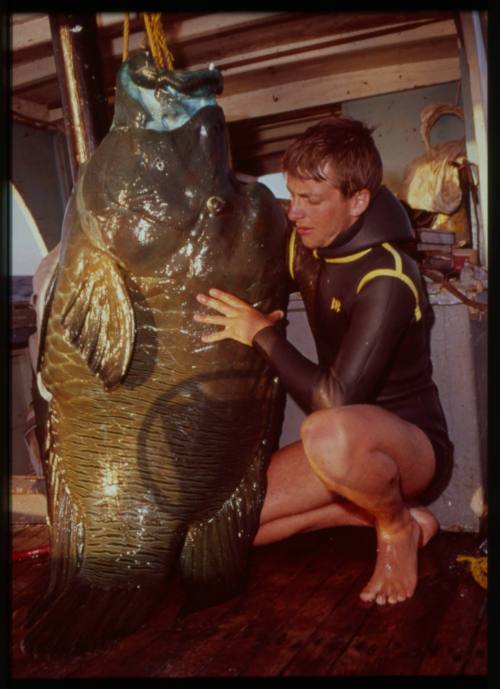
[(300, 615)]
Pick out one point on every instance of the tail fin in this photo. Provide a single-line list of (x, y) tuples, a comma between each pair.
[(79, 613), (214, 557), (215, 553)]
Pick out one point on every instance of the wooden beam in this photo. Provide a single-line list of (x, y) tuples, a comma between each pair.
[(293, 71), (30, 109), (79, 70), (346, 86), (35, 31), (317, 49), (189, 31), (34, 72), (30, 33)]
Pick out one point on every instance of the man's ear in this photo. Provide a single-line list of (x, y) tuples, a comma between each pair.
[(359, 202)]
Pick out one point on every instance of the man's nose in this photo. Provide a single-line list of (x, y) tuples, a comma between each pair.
[(295, 211)]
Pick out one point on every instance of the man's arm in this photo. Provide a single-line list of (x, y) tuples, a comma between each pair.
[(380, 316), (382, 312)]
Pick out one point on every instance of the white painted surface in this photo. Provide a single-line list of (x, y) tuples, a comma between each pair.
[(276, 182), (27, 245)]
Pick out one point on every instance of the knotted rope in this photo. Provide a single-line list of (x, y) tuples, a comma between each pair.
[(156, 39)]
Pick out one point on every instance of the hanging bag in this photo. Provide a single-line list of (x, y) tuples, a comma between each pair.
[(431, 182)]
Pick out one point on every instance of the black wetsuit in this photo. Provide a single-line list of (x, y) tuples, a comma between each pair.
[(371, 319)]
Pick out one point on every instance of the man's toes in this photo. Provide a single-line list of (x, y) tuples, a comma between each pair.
[(367, 596), (381, 599), (369, 593)]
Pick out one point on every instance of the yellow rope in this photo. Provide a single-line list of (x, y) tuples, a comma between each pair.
[(478, 567), (156, 39)]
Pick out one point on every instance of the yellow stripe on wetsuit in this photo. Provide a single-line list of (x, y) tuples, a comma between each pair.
[(340, 259), (291, 253), (343, 259), (396, 272)]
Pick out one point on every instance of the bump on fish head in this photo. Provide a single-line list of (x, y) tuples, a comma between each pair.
[(161, 99)]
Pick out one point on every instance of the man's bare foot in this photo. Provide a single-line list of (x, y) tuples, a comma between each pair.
[(395, 576)]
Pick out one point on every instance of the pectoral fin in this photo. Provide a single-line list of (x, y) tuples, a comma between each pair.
[(99, 319)]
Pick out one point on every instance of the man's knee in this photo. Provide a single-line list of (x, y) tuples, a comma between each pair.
[(329, 443)]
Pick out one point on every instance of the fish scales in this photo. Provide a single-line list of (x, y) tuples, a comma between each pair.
[(157, 443)]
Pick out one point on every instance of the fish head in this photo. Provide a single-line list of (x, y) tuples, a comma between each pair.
[(149, 97)]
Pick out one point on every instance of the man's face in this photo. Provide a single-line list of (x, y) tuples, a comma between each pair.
[(319, 211)]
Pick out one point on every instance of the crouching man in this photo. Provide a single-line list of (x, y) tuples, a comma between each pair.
[(374, 448)]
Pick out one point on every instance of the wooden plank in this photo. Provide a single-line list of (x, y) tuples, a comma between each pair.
[(28, 580), (333, 45), (37, 32), (29, 33), (294, 636), (291, 28), (255, 604), (298, 626), (230, 39), (30, 109), (332, 636), (478, 661), (294, 73), (33, 72), (394, 637), (32, 536), (235, 651), (149, 648), (451, 645), (343, 87)]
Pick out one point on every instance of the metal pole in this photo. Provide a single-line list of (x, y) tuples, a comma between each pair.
[(79, 72)]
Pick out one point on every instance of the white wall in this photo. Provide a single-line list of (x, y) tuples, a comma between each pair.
[(27, 245), (396, 117), (275, 181)]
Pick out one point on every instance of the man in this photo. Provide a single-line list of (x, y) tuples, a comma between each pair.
[(374, 447)]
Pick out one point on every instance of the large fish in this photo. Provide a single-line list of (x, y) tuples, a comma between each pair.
[(157, 443)]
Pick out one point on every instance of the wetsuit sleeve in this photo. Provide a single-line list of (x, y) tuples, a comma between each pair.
[(382, 312)]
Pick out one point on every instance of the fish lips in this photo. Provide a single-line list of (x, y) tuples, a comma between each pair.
[(201, 83)]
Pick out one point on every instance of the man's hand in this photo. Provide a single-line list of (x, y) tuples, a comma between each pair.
[(240, 321)]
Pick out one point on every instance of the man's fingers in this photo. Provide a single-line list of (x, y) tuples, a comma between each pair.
[(208, 318), (227, 298), (215, 304), (276, 315), (214, 337)]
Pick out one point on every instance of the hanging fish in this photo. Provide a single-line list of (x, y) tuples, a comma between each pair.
[(157, 444)]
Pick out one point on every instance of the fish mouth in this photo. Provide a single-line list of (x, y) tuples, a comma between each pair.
[(202, 83), (163, 99)]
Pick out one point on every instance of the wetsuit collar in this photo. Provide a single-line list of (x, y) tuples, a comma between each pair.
[(385, 220)]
